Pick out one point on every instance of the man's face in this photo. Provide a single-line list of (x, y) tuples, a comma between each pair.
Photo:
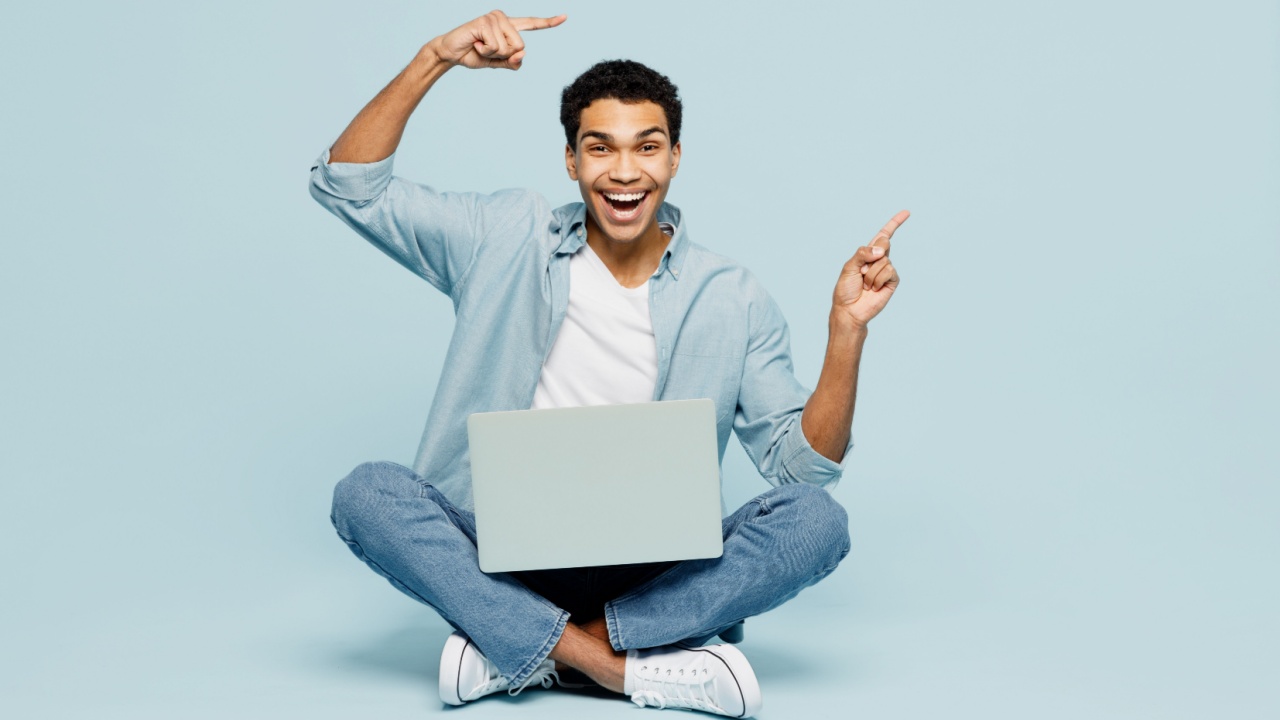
[(623, 164)]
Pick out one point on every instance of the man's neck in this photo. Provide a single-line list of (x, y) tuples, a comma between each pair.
[(632, 263)]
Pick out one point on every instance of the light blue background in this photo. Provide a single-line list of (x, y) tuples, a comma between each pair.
[(1064, 497)]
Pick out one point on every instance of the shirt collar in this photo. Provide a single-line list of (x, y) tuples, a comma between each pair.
[(574, 235)]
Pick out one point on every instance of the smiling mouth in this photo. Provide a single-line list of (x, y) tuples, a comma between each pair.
[(625, 206)]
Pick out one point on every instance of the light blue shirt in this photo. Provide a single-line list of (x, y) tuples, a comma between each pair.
[(504, 261)]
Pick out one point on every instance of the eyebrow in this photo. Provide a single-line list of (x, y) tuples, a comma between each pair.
[(606, 137)]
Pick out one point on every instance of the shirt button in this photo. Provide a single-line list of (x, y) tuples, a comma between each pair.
[(579, 232)]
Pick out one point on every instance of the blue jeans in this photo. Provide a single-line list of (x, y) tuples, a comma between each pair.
[(774, 546)]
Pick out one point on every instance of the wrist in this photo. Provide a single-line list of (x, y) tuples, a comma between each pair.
[(431, 56), (424, 70), (842, 325)]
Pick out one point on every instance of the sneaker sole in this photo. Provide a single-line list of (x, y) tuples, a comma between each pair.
[(451, 668), (742, 674)]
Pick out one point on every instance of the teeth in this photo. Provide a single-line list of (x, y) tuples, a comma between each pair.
[(625, 197)]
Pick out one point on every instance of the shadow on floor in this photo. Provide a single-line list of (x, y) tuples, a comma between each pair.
[(412, 652), (776, 664)]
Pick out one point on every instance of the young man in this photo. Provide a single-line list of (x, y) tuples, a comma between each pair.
[(603, 301)]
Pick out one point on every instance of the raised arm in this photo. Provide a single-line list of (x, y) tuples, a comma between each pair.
[(865, 286), (489, 41), (434, 234)]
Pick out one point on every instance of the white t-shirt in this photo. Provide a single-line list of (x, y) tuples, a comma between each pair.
[(605, 353)]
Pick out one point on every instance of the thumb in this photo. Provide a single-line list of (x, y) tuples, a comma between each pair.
[(864, 256)]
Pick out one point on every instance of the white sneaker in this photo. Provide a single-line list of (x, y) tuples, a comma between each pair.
[(466, 674), (715, 679)]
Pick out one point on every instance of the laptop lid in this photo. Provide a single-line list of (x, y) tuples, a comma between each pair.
[(603, 485)]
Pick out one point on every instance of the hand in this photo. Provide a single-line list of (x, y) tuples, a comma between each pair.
[(489, 41), (868, 280)]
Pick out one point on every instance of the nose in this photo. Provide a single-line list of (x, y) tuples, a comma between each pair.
[(625, 169)]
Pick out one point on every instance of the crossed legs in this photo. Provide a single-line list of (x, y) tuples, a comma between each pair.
[(774, 546)]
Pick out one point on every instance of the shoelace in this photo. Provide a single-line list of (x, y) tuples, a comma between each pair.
[(545, 678), (680, 689), (494, 684)]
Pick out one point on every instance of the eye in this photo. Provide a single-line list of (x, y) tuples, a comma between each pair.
[(649, 148)]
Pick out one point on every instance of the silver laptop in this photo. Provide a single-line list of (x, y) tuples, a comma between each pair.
[(605, 485)]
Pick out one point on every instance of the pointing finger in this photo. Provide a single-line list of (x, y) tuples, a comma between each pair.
[(533, 23), (882, 238)]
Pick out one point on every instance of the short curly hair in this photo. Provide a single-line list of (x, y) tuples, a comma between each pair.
[(625, 80)]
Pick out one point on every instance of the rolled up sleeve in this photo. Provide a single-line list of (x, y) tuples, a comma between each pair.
[(436, 235), (770, 405), (350, 182)]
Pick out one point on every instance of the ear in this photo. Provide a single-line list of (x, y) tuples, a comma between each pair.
[(675, 159), (570, 162)]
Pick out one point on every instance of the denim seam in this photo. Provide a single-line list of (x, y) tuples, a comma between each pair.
[(451, 512), (528, 668)]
